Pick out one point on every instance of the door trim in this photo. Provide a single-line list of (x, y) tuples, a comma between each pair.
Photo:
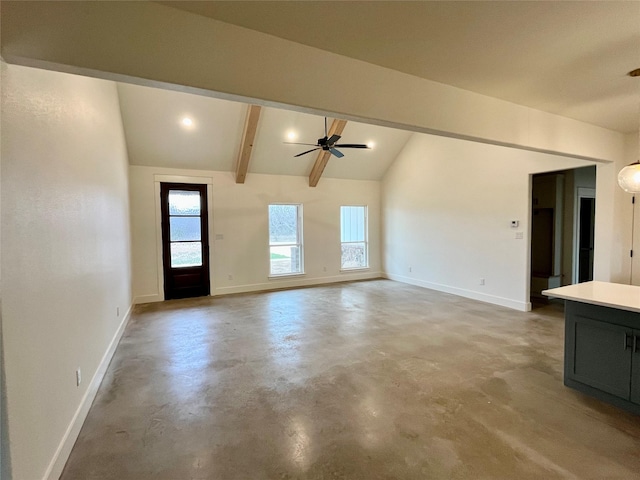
[(208, 181)]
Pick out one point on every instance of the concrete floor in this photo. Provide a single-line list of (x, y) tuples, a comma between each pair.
[(368, 380)]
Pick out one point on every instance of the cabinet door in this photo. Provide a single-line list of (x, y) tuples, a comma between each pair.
[(602, 356), (635, 368)]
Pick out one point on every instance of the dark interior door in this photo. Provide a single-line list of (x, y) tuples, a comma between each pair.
[(185, 241), (542, 242), (585, 239)]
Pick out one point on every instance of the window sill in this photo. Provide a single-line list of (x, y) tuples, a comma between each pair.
[(356, 269), (286, 275)]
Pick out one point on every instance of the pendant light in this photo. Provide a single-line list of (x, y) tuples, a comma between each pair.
[(629, 176), (629, 181)]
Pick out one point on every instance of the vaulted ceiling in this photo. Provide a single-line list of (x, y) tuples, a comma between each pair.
[(156, 136), (567, 58)]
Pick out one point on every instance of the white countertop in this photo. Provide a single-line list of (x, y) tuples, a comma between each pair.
[(613, 295)]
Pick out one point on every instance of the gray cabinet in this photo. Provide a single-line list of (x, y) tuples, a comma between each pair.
[(635, 369), (602, 353)]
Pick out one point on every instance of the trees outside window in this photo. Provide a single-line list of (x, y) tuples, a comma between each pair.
[(285, 239)]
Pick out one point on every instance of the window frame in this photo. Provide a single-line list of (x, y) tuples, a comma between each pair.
[(366, 240), (299, 244)]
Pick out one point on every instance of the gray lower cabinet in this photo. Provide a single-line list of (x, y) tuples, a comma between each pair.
[(635, 369), (602, 353)]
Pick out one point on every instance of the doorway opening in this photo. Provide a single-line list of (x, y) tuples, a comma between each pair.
[(562, 229), (185, 240)]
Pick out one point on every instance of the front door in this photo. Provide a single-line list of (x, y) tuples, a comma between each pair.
[(185, 240)]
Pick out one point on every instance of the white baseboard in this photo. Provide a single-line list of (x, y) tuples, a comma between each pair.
[(483, 297), (61, 456), (273, 284), (289, 282), (154, 297)]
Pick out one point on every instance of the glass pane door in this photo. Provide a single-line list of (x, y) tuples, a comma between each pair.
[(185, 240)]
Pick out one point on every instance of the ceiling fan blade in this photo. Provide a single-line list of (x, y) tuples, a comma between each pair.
[(351, 145), (308, 151), (296, 143), (333, 139), (337, 153)]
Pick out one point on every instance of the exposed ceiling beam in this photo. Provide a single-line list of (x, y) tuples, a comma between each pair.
[(323, 157), (248, 137)]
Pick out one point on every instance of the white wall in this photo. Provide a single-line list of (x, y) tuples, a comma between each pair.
[(65, 255), (4, 433), (447, 207), (239, 213), (5, 470)]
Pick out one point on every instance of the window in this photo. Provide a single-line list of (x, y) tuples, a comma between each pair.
[(285, 239), (185, 237), (353, 235)]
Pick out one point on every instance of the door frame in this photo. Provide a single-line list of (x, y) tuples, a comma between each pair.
[(580, 193), (208, 181)]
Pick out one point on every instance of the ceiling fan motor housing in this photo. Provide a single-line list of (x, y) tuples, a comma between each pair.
[(329, 144)]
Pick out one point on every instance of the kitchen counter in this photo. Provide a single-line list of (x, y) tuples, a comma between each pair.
[(614, 295)]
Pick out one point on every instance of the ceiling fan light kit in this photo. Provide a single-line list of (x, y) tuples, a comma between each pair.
[(328, 144)]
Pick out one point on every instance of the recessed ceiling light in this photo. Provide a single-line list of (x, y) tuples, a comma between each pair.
[(187, 122), (291, 135)]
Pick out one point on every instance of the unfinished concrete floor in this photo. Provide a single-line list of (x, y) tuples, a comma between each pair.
[(368, 380)]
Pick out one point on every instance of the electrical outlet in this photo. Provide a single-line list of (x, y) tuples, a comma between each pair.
[(78, 377), (519, 235), (482, 281)]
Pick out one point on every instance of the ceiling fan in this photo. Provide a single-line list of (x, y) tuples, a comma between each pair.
[(328, 144)]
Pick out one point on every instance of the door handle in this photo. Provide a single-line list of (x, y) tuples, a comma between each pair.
[(628, 342), (636, 344)]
